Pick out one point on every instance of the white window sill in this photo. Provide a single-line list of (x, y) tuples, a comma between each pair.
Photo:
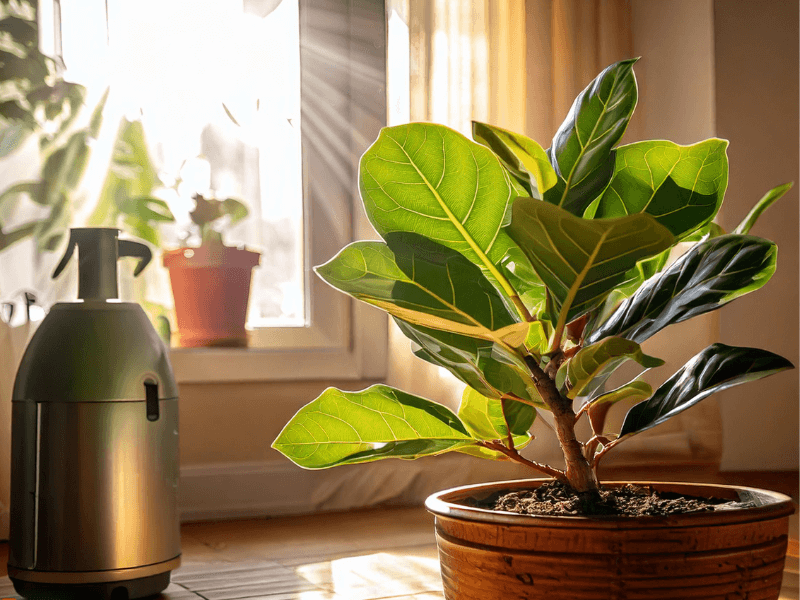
[(364, 357)]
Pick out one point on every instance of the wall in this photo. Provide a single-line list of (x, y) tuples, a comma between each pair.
[(756, 48), (675, 75)]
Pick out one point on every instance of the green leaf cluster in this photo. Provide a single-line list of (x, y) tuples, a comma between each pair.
[(208, 211), (531, 274)]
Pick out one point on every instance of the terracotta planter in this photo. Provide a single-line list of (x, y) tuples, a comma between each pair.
[(211, 288), (721, 555)]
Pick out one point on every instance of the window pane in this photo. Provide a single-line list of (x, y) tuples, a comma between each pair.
[(217, 85)]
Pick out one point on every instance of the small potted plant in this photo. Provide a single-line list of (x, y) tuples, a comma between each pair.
[(532, 275), (211, 283)]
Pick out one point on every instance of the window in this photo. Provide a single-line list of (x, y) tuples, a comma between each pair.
[(270, 101)]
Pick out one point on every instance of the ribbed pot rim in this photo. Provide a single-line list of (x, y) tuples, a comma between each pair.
[(767, 505)]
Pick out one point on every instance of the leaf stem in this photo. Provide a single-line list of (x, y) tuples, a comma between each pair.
[(521, 308), (517, 457), (605, 449)]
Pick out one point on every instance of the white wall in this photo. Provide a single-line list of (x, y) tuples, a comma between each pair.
[(756, 49)]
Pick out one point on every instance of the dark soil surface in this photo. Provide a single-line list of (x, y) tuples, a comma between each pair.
[(554, 498)]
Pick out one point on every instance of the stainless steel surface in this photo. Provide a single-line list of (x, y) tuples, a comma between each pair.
[(107, 488), (94, 352), (95, 576), (95, 436)]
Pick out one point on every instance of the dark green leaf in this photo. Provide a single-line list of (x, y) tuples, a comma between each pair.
[(576, 373), (762, 205), (708, 276), (524, 158), (582, 260), (486, 367), (716, 368), (422, 282), (380, 422), (582, 147), (680, 186)]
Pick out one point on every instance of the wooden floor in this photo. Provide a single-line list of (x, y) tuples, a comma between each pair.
[(358, 555)]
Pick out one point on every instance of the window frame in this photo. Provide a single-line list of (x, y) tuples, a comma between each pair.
[(341, 52)]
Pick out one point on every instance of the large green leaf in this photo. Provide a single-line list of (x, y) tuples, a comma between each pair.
[(421, 282), (487, 367), (582, 152), (708, 276), (525, 159), (433, 181), (576, 373), (379, 422), (582, 260), (680, 186), (633, 390), (716, 368), (762, 205), (493, 419), (130, 175)]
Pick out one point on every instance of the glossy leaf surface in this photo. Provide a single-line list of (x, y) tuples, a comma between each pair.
[(524, 158), (380, 422), (680, 186), (421, 282), (431, 180), (762, 205), (485, 366), (581, 152), (708, 276), (582, 260), (633, 390), (577, 372), (517, 269), (487, 419), (598, 409), (716, 368)]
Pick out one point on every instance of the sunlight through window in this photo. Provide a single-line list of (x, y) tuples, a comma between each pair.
[(217, 86)]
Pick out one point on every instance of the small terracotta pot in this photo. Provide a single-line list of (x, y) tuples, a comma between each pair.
[(211, 288), (720, 555)]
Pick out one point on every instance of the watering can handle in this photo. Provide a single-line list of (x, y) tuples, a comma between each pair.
[(138, 250)]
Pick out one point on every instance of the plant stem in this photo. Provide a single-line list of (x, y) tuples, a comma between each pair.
[(517, 457), (605, 449), (579, 471)]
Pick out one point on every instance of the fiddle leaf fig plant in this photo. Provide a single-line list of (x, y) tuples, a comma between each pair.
[(532, 275)]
